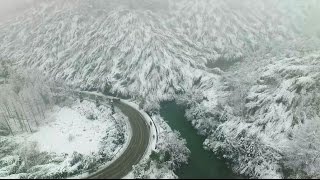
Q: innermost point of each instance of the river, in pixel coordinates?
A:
(202, 164)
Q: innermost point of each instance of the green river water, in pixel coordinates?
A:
(202, 164)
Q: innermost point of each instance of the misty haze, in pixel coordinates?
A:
(161, 89)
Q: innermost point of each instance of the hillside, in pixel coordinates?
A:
(246, 71)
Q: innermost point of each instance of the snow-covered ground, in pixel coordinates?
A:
(70, 132)
(75, 140)
(217, 57)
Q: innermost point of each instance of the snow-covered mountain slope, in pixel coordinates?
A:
(141, 51)
(122, 49)
(284, 97)
(236, 28)
(208, 54)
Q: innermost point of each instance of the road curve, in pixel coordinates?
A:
(137, 145)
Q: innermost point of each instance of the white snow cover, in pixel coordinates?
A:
(70, 132)
(282, 98)
(92, 44)
(79, 134)
(216, 57)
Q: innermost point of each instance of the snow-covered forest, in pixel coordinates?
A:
(25, 98)
(247, 71)
(46, 133)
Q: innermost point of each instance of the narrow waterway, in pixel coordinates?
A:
(202, 164)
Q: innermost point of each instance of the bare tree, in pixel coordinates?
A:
(25, 99)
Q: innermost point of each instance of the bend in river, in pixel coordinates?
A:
(202, 164)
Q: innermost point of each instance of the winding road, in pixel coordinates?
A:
(137, 146)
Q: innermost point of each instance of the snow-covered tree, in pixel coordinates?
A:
(24, 101)
(301, 153)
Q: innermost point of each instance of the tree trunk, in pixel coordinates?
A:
(34, 116)
(24, 112)
(7, 122)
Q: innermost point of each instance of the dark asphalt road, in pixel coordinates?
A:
(135, 150)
